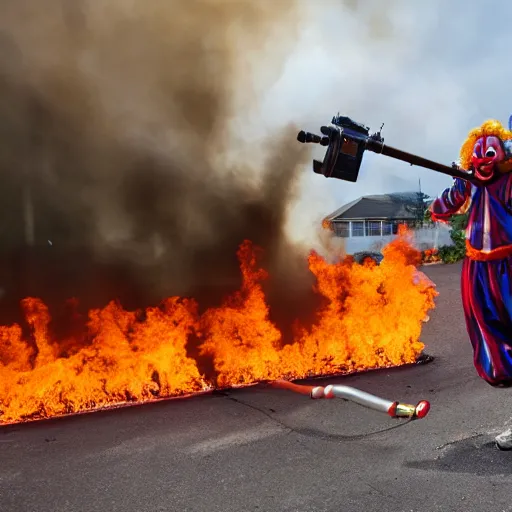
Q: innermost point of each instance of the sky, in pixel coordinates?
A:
(430, 71)
(166, 77)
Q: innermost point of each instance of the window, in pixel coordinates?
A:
(341, 229)
(373, 228)
(358, 228)
(387, 228)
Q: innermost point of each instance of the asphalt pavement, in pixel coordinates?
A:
(263, 449)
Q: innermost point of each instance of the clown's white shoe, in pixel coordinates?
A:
(504, 440)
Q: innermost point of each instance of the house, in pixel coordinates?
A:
(377, 215)
(368, 223)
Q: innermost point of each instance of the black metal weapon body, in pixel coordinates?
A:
(346, 143)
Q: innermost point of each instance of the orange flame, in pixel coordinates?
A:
(327, 224)
(371, 318)
(430, 256)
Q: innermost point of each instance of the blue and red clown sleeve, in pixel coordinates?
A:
(451, 201)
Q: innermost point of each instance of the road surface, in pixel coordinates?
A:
(269, 450)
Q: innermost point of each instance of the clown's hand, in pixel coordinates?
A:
(451, 201)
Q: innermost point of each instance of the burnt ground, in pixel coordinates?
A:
(263, 450)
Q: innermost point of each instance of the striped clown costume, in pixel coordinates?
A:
(486, 279)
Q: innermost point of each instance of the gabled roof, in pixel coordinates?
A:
(340, 211)
(385, 206)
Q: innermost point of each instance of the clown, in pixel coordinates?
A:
(486, 279)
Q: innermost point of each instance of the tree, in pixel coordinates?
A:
(427, 218)
(419, 207)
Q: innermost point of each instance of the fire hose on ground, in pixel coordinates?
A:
(394, 409)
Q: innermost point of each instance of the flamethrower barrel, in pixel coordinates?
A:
(312, 138)
(377, 147)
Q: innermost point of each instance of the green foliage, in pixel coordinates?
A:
(459, 222)
(457, 251)
(419, 208)
(451, 253)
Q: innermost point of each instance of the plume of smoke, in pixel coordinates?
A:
(154, 135)
(121, 126)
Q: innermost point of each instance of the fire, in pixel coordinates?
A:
(431, 256)
(327, 225)
(244, 344)
(371, 317)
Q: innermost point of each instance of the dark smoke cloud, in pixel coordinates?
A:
(119, 117)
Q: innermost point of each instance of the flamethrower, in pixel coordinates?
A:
(346, 142)
(391, 408)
